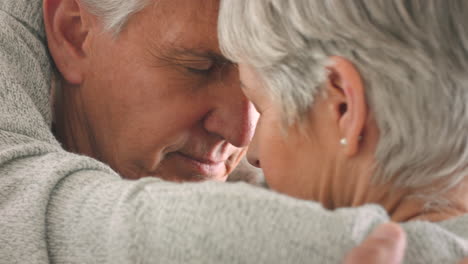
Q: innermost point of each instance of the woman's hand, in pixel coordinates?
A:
(385, 245)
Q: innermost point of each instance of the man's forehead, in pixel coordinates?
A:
(187, 30)
(194, 12)
(190, 29)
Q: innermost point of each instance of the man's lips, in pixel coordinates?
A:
(207, 161)
(207, 168)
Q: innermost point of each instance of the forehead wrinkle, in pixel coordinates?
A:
(179, 30)
(173, 11)
(175, 41)
(176, 21)
(176, 50)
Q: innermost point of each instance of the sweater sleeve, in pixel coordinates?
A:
(95, 219)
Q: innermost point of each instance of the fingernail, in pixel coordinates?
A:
(387, 231)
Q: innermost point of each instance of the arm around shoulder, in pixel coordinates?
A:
(96, 218)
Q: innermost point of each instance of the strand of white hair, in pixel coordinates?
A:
(114, 13)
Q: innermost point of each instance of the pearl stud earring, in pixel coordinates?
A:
(344, 142)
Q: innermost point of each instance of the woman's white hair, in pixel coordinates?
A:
(114, 13)
(412, 55)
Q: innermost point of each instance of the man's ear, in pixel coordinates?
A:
(67, 31)
(345, 89)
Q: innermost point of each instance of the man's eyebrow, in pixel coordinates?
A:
(219, 58)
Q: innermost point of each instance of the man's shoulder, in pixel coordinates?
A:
(25, 78)
(27, 12)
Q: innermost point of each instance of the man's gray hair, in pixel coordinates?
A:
(412, 55)
(114, 14)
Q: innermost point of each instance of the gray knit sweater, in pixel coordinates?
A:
(57, 207)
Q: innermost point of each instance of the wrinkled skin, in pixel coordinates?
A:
(159, 100)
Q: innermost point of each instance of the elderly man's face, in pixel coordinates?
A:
(160, 100)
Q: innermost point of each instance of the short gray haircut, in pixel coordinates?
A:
(412, 55)
(114, 14)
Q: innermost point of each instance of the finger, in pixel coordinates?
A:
(385, 245)
(464, 261)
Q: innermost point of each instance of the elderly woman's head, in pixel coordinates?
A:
(366, 91)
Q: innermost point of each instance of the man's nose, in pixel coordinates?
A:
(234, 119)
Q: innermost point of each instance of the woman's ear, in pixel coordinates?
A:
(67, 31)
(345, 89)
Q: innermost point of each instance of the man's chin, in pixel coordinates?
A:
(189, 177)
(192, 178)
(178, 176)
